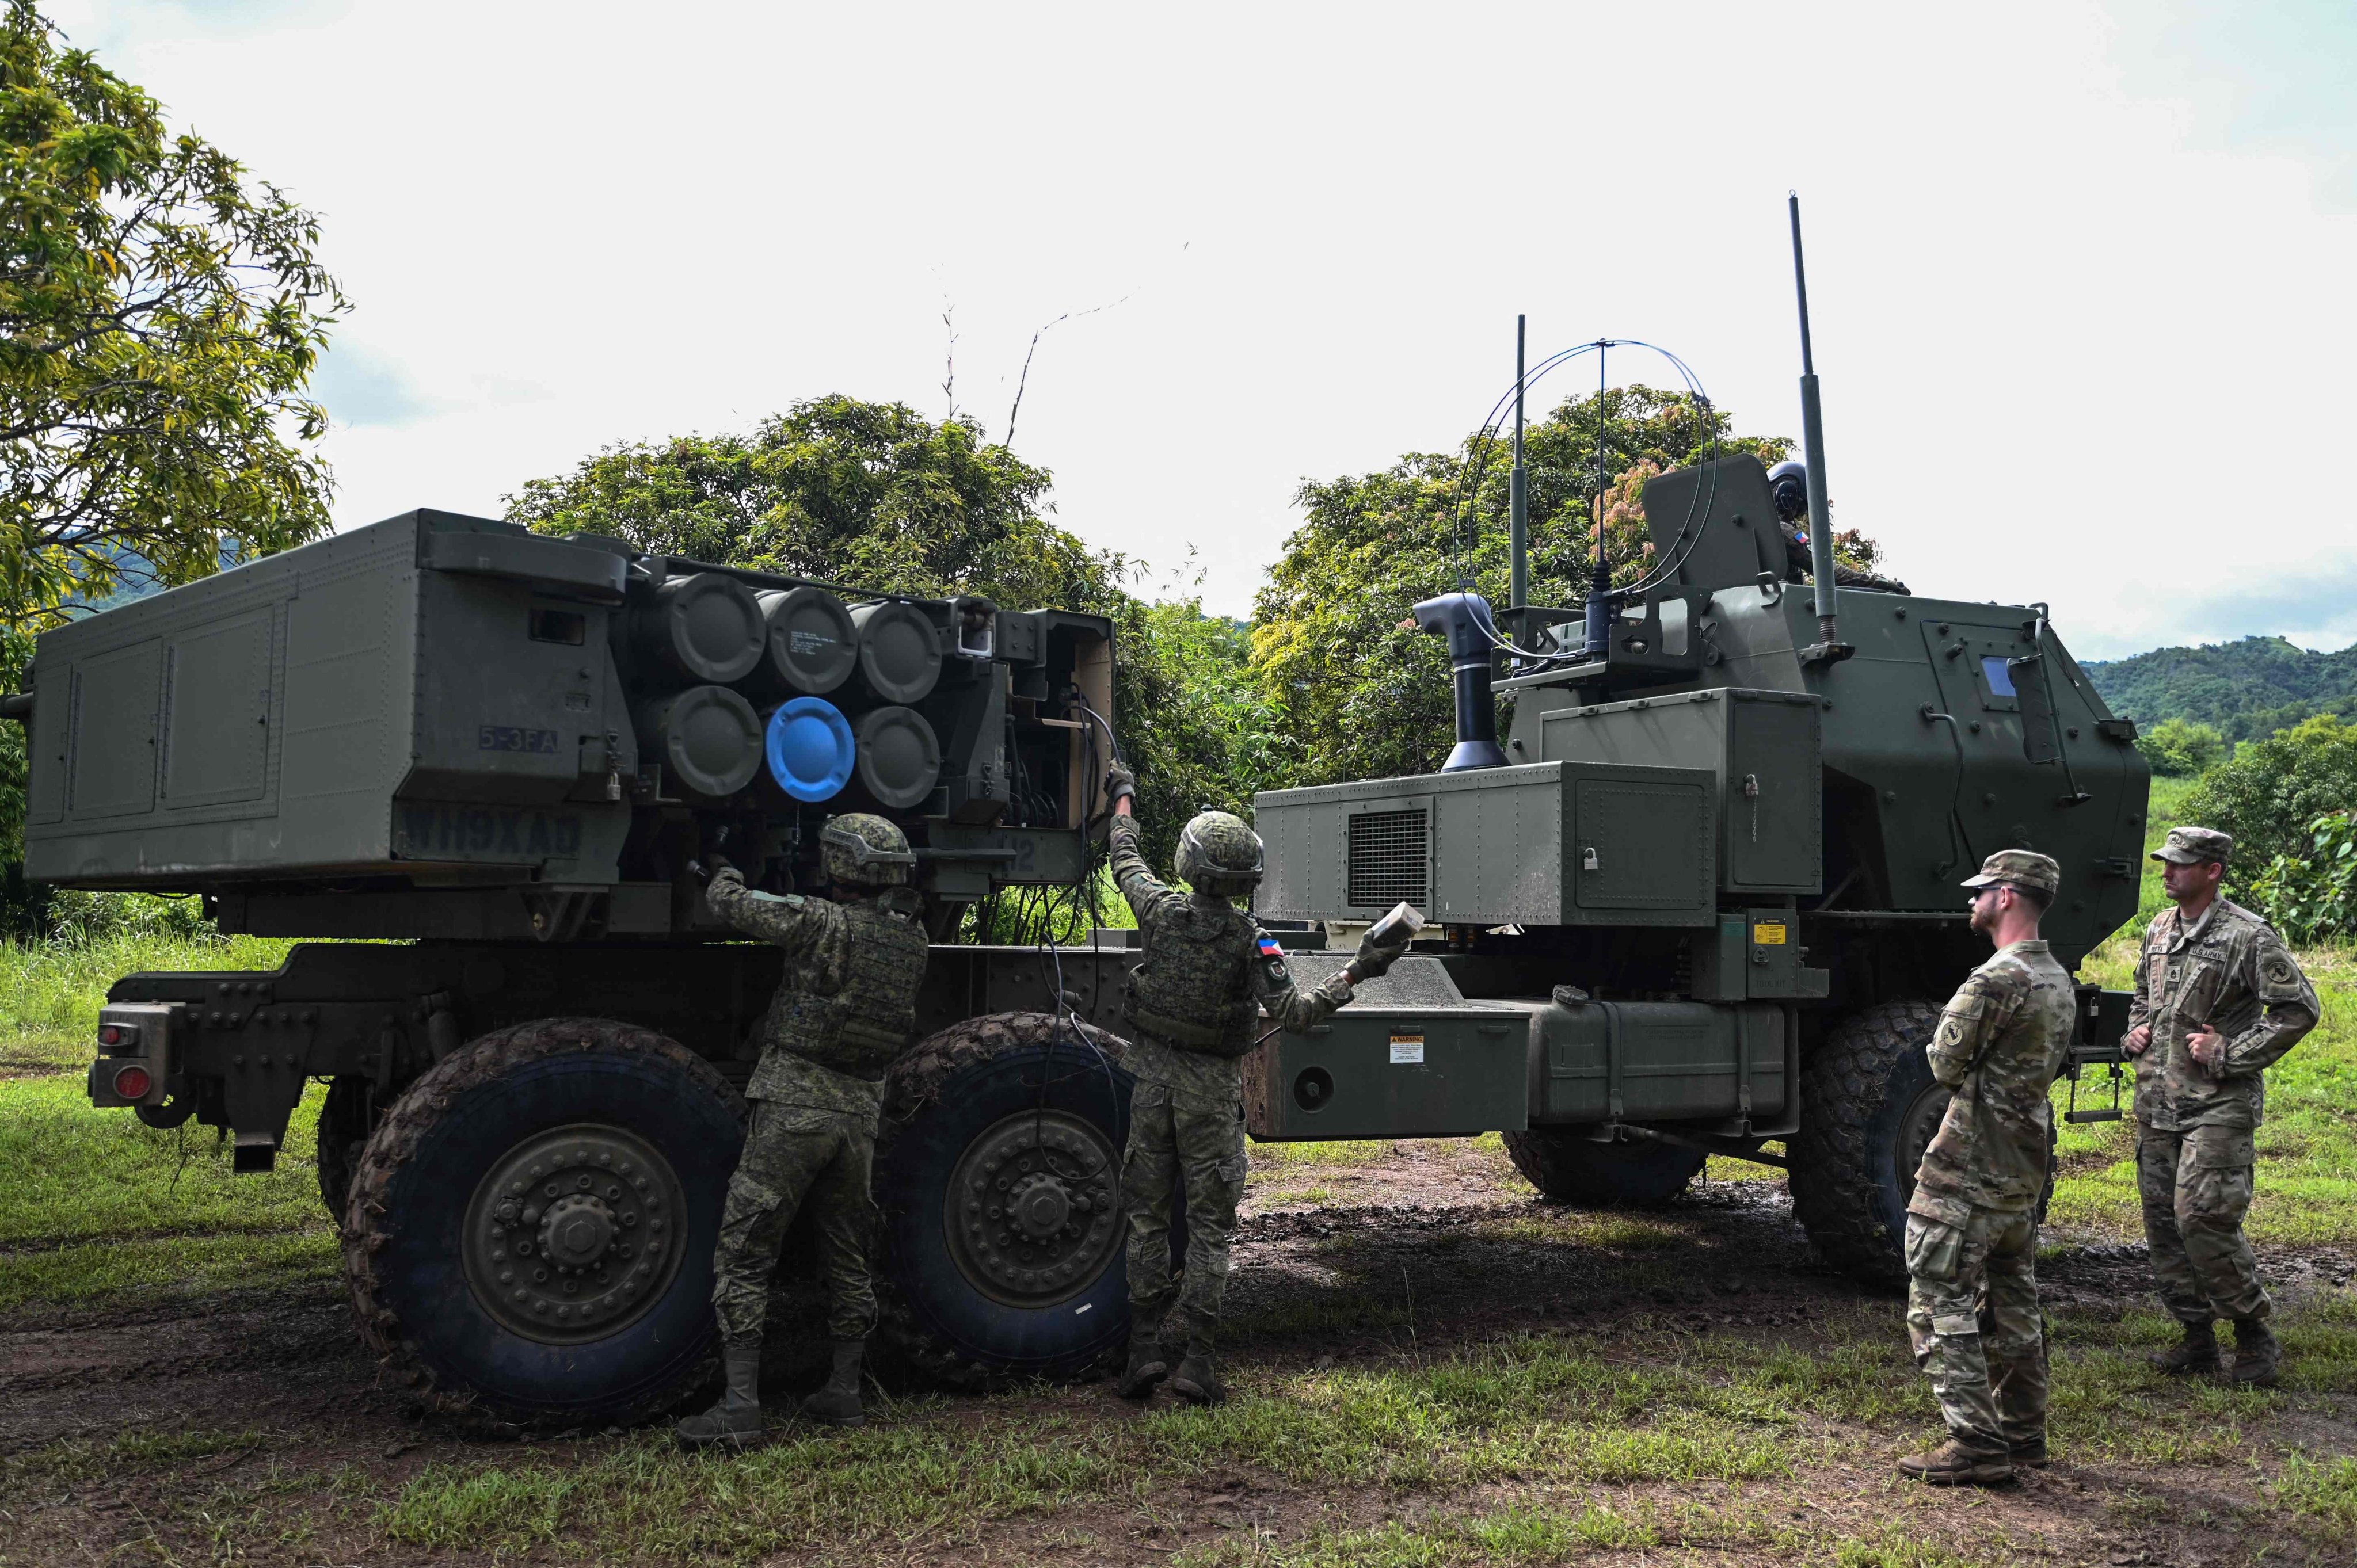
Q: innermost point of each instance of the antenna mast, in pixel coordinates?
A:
(1600, 582)
(1812, 445)
(1518, 594)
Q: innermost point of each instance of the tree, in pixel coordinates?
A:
(2272, 791)
(2178, 749)
(1356, 696)
(159, 318)
(877, 497)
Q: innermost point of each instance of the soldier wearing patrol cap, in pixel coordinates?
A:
(1972, 1226)
(2218, 998)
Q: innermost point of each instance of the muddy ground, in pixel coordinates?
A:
(252, 1427)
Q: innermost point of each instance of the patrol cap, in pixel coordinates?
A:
(2022, 868)
(2192, 846)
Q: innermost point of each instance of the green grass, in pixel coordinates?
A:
(50, 992)
(99, 1205)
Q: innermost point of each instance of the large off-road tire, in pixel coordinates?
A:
(1002, 1258)
(1588, 1175)
(531, 1226)
(1869, 1107)
(345, 1123)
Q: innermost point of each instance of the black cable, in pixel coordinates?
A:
(1486, 441)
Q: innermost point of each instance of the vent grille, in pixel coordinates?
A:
(1390, 860)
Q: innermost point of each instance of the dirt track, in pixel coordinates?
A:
(1434, 1248)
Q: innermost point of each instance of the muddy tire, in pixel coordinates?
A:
(1868, 1108)
(531, 1224)
(1586, 1173)
(1025, 1277)
(345, 1123)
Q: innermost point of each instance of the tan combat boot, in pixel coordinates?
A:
(1953, 1464)
(735, 1422)
(2198, 1353)
(836, 1403)
(2258, 1354)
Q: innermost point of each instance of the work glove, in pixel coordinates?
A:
(1372, 959)
(1119, 781)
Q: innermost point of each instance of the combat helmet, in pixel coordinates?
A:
(867, 851)
(1788, 482)
(1219, 854)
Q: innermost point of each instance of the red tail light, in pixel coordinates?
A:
(133, 1083)
(112, 1035)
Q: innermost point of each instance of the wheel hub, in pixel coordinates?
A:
(1030, 1212)
(573, 1234)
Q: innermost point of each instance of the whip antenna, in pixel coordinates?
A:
(1812, 444)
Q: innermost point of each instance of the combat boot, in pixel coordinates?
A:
(2198, 1353)
(836, 1403)
(2257, 1353)
(1148, 1365)
(1197, 1381)
(735, 1422)
(1953, 1464)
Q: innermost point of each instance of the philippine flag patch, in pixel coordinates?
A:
(1268, 947)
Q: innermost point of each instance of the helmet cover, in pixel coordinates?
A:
(1219, 854)
(862, 848)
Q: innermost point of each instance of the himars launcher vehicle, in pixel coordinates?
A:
(1702, 898)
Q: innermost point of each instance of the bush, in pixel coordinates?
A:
(2178, 749)
(2314, 900)
(80, 919)
(2270, 792)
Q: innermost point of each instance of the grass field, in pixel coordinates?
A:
(1531, 1385)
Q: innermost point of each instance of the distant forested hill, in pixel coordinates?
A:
(2251, 688)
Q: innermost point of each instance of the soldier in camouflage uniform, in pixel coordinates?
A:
(1788, 482)
(2217, 999)
(1972, 1226)
(1194, 1011)
(845, 1009)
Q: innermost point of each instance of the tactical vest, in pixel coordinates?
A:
(1192, 988)
(861, 1027)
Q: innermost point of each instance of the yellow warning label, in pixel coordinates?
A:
(1408, 1050)
(1768, 933)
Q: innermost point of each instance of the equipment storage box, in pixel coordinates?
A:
(1548, 844)
(1764, 748)
(1392, 1072)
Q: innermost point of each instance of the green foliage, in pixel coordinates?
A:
(1352, 694)
(878, 497)
(2313, 898)
(2272, 790)
(159, 318)
(2244, 689)
(2178, 749)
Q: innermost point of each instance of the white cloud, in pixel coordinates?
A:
(2080, 340)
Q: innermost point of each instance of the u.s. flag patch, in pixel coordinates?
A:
(1268, 947)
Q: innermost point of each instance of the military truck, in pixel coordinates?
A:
(1702, 899)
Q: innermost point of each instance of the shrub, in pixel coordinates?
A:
(2178, 749)
(2314, 899)
(2270, 791)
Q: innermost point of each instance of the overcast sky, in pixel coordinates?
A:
(2081, 274)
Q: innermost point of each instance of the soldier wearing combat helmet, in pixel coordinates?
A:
(845, 1008)
(1788, 484)
(2217, 999)
(1195, 1002)
(1972, 1226)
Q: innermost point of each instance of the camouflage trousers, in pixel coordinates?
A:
(2196, 1186)
(796, 1154)
(1173, 1139)
(1974, 1318)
